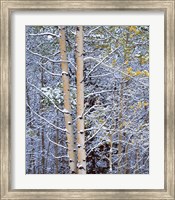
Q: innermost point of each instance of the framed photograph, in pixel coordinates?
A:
(87, 99)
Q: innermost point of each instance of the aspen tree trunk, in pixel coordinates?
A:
(42, 129)
(137, 159)
(80, 102)
(67, 104)
(110, 152)
(56, 147)
(114, 127)
(31, 161)
(56, 135)
(47, 156)
(121, 113)
(43, 151)
(120, 128)
(126, 171)
(53, 70)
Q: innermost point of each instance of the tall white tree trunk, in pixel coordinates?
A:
(67, 104)
(80, 102)
(110, 152)
(120, 135)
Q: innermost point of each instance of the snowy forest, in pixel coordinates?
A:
(87, 99)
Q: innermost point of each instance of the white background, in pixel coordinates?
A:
(153, 180)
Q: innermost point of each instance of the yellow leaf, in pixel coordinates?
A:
(144, 60)
(138, 73)
(129, 69)
(139, 104)
(132, 29)
(101, 121)
(126, 62)
(146, 73)
(131, 107)
(137, 32)
(113, 62)
(145, 103)
(127, 77)
(133, 74)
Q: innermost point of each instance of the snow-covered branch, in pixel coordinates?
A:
(56, 127)
(43, 34)
(62, 111)
(109, 67)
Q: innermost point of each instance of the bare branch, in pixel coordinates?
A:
(43, 34)
(56, 127)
